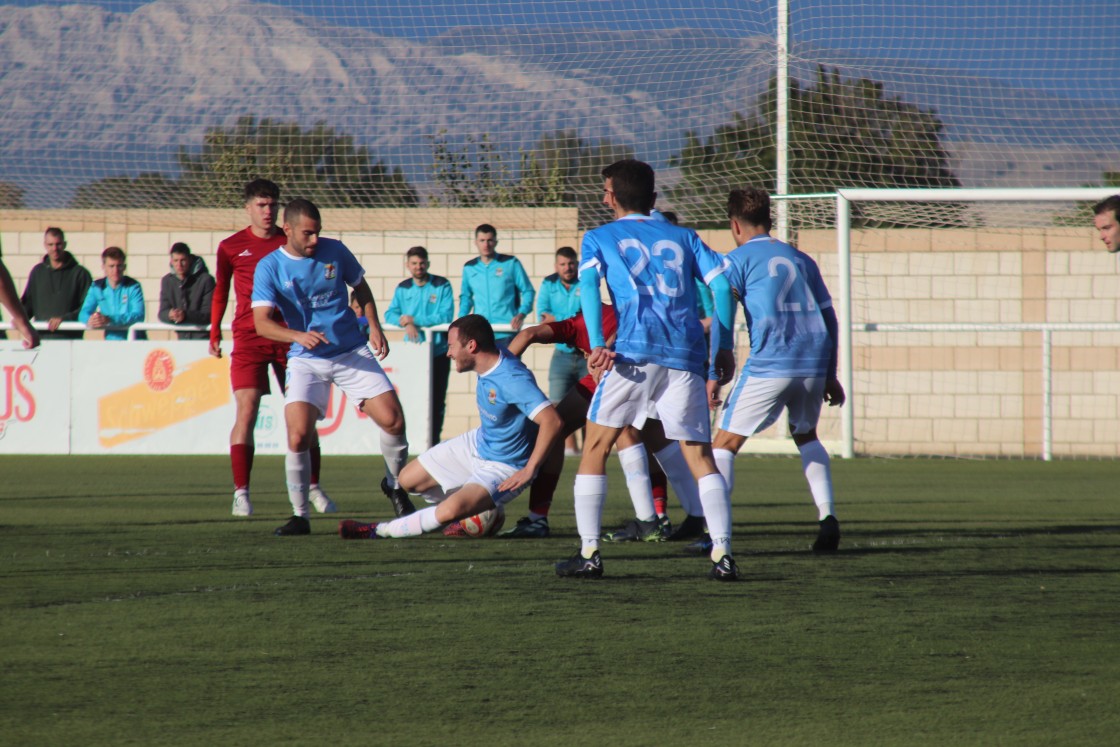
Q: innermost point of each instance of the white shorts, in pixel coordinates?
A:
(754, 404)
(630, 393)
(357, 374)
(455, 462)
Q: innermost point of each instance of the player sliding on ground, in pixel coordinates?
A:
(488, 465)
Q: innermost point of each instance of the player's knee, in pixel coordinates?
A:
(299, 438)
(801, 439)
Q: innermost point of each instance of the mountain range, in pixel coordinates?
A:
(89, 93)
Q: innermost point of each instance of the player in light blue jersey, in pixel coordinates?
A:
(495, 285)
(659, 361)
(488, 465)
(308, 280)
(792, 366)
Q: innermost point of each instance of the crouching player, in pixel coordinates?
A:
(488, 465)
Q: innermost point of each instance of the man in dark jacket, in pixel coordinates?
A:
(186, 292)
(56, 287)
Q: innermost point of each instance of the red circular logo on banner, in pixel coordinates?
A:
(159, 370)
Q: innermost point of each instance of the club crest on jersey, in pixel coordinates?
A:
(492, 396)
(432, 298)
(329, 271)
(498, 272)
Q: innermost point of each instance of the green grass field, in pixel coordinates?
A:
(972, 602)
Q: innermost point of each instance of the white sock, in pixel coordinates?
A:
(412, 525)
(590, 494)
(725, 463)
(297, 468)
(818, 471)
(394, 449)
(717, 512)
(676, 469)
(635, 465)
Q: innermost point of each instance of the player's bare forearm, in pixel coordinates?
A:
(550, 427)
(540, 333)
(269, 329)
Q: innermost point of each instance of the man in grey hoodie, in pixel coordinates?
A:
(186, 291)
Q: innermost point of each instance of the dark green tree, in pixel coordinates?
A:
(560, 169)
(11, 196)
(843, 133)
(115, 192)
(318, 164)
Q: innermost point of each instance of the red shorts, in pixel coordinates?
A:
(249, 364)
(587, 385)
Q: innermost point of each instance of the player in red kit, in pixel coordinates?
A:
(252, 354)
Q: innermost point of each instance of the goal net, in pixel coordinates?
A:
(123, 104)
(996, 333)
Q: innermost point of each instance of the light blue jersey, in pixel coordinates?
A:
(124, 305)
(650, 267)
(560, 301)
(498, 290)
(429, 304)
(786, 303)
(313, 295)
(508, 400)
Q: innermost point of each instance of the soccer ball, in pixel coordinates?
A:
(485, 524)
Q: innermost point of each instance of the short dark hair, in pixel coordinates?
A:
(750, 205)
(54, 231)
(567, 251)
(180, 248)
(670, 217)
(300, 207)
(1108, 203)
(486, 228)
(632, 182)
(113, 252)
(261, 188)
(417, 251)
(476, 327)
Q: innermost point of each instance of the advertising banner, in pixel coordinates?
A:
(34, 398)
(172, 398)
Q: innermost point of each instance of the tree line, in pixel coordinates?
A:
(843, 132)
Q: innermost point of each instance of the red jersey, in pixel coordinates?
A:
(238, 256)
(573, 331)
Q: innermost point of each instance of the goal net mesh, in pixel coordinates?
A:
(521, 102)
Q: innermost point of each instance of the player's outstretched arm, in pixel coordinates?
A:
(550, 430)
(538, 333)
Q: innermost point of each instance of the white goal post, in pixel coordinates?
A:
(844, 200)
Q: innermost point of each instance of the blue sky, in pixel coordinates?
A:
(1055, 45)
